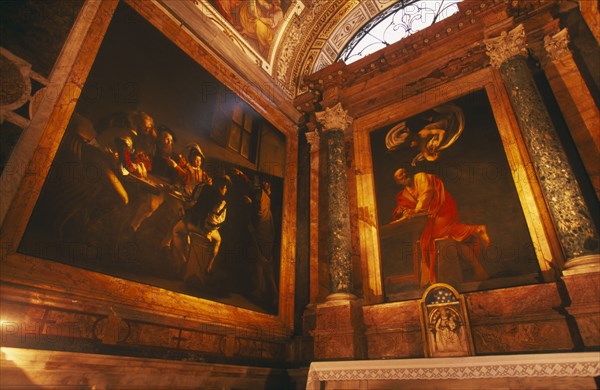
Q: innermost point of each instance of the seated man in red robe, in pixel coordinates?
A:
(424, 193)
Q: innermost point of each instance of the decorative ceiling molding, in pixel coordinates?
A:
(316, 39)
(347, 28)
(303, 40)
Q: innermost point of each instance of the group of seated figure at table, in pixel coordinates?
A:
(140, 172)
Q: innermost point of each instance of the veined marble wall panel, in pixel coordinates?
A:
(26, 325)
(519, 319)
(393, 330)
(28, 368)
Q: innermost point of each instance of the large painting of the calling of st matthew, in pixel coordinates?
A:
(447, 205)
(165, 177)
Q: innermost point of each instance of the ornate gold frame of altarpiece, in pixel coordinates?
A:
(35, 281)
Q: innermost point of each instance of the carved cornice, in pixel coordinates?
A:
(557, 45)
(319, 36)
(334, 118)
(506, 46)
(467, 25)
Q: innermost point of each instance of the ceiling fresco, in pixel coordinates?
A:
(255, 27)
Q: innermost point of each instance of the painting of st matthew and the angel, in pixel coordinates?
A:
(164, 177)
(447, 206)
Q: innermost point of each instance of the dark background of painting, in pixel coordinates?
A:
(138, 68)
(476, 172)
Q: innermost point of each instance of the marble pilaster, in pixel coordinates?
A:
(591, 15)
(574, 226)
(313, 139)
(575, 100)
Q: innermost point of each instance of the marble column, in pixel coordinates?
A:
(339, 331)
(335, 121)
(571, 217)
(313, 139)
(575, 100)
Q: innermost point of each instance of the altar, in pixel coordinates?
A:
(564, 370)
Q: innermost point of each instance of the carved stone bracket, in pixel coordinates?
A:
(334, 118)
(506, 46)
(557, 45)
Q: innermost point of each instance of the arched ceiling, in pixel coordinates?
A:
(315, 37)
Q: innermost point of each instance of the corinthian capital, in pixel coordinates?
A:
(506, 46)
(313, 139)
(556, 45)
(334, 118)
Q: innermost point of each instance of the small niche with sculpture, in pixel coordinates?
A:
(445, 325)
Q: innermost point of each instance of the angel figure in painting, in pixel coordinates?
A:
(434, 137)
(425, 194)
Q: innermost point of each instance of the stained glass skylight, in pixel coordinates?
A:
(398, 21)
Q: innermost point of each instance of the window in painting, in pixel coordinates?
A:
(241, 132)
(404, 18)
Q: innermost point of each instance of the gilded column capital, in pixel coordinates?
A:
(334, 118)
(313, 139)
(557, 45)
(506, 46)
